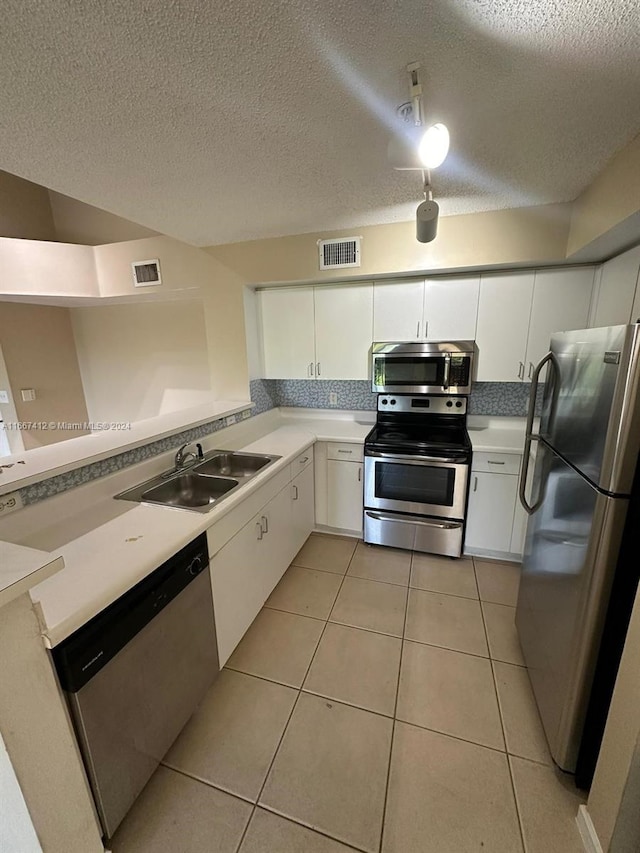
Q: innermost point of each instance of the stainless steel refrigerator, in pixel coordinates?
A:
(581, 564)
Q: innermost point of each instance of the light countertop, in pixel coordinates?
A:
(22, 568)
(107, 560)
(102, 564)
(496, 435)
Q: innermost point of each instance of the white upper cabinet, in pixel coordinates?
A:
(344, 331)
(504, 309)
(437, 309)
(288, 333)
(615, 300)
(398, 310)
(561, 300)
(451, 308)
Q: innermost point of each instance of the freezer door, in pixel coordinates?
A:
(590, 412)
(570, 556)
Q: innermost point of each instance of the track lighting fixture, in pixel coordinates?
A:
(418, 148)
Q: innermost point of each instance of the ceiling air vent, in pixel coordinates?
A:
(342, 252)
(146, 273)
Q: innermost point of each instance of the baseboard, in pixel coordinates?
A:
(505, 556)
(590, 840)
(337, 531)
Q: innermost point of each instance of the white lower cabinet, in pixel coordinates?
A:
(344, 494)
(496, 523)
(492, 501)
(302, 507)
(248, 567)
(237, 592)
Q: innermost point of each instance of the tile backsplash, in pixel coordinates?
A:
(501, 399)
(509, 399)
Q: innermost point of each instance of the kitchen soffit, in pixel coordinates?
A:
(221, 122)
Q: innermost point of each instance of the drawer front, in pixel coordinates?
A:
(301, 461)
(496, 463)
(345, 452)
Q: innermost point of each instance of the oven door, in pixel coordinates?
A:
(422, 485)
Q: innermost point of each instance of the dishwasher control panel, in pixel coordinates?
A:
(85, 652)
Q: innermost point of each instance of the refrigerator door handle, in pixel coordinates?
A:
(529, 435)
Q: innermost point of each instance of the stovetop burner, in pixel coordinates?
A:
(422, 440)
(419, 433)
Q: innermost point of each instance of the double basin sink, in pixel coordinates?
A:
(202, 485)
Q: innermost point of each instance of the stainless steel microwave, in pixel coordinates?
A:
(435, 367)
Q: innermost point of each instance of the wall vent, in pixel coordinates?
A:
(338, 253)
(146, 273)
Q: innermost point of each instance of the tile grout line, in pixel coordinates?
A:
(501, 715)
(395, 709)
(293, 708)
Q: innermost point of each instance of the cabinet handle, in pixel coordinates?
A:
(521, 370)
(491, 462)
(310, 370)
(295, 493)
(305, 459)
(475, 484)
(265, 524)
(344, 451)
(317, 368)
(260, 531)
(532, 367)
(418, 329)
(426, 328)
(359, 474)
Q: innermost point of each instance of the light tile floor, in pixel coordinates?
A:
(379, 704)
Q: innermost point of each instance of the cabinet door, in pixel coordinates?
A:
(561, 300)
(492, 500)
(302, 508)
(397, 311)
(275, 548)
(237, 594)
(451, 308)
(344, 331)
(617, 289)
(287, 333)
(344, 495)
(503, 323)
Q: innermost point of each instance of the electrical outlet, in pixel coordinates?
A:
(230, 420)
(246, 414)
(333, 398)
(10, 503)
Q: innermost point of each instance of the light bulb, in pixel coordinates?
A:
(434, 146)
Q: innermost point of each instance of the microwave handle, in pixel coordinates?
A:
(447, 366)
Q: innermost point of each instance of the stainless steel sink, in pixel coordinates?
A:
(199, 487)
(190, 491)
(233, 465)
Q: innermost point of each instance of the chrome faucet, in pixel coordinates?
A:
(183, 458)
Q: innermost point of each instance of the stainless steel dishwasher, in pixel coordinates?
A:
(136, 672)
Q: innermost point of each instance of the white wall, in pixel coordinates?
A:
(16, 830)
(139, 360)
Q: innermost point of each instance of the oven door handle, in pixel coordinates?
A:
(440, 525)
(417, 460)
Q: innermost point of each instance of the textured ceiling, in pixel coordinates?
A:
(216, 122)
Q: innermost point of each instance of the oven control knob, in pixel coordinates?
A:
(393, 402)
(384, 402)
(449, 403)
(458, 405)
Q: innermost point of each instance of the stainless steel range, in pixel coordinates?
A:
(416, 473)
